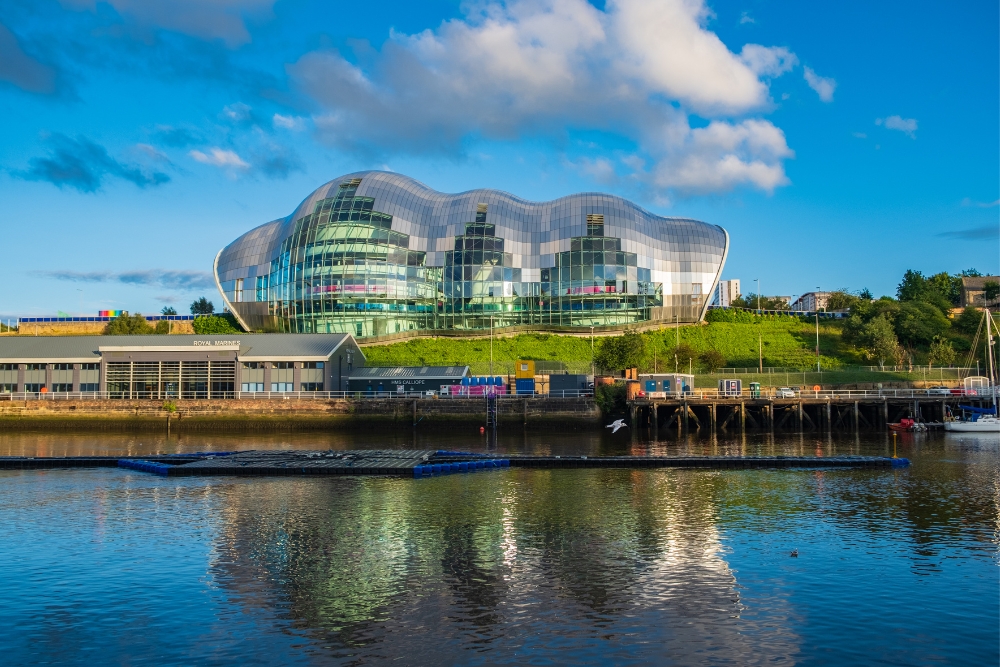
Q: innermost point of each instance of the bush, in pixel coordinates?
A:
(969, 320)
(618, 352)
(729, 315)
(611, 398)
(128, 325)
(162, 327)
(215, 324)
(712, 360)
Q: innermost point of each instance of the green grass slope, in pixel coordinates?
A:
(788, 342)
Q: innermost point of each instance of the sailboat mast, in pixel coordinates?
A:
(989, 354)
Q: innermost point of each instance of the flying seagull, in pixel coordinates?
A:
(617, 424)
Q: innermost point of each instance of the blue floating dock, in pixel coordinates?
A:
(419, 464)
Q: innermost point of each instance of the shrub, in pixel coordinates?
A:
(712, 360)
(128, 325)
(611, 398)
(162, 327)
(215, 324)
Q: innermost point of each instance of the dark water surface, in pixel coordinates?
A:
(894, 567)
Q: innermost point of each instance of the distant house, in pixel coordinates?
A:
(811, 301)
(972, 289)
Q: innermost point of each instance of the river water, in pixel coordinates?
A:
(893, 567)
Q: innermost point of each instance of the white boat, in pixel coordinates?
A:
(985, 424)
(980, 420)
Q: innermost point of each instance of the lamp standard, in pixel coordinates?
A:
(816, 304)
(760, 342)
(491, 345)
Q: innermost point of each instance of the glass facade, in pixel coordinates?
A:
(377, 253)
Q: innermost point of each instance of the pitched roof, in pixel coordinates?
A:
(977, 282)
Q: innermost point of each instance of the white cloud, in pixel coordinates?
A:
(294, 123)
(859, 135)
(823, 86)
(770, 61)
(746, 18)
(207, 19)
(534, 68)
(238, 112)
(906, 125)
(220, 157)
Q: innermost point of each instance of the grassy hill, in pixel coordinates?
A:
(787, 341)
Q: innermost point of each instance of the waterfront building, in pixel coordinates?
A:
(177, 366)
(725, 292)
(374, 253)
(811, 302)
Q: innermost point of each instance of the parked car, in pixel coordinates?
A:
(785, 392)
(939, 390)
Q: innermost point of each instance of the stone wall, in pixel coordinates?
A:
(86, 328)
(295, 414)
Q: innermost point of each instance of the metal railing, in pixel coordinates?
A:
(771, 393)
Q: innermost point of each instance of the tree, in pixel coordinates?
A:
(968, 321)
(841, 300)
(619, 352)
(942, 353)
(865, 294)
(949, 287)
(128, 325)
(750, 302)
(168, 310)
(162, 327)
(991, 290)
(970, 273)
(878, 341)
(202, 306)
(912, 286)
(919, 322)
(215, 324)
(712, 360)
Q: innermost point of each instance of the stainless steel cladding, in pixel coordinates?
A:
(374, 253)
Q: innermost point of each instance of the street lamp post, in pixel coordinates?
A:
(491, 345)
(758, 295)
(816, 305)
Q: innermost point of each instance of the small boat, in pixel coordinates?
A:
(907, 424)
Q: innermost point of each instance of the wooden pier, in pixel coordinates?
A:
(824, 411)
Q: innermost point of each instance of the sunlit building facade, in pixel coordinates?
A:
(375, 253)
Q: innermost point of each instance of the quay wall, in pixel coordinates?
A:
(294, 414)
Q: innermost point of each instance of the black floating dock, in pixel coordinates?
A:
(415, 462)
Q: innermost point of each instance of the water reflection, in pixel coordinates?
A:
(589, 566)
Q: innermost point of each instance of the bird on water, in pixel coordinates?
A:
(795, 553)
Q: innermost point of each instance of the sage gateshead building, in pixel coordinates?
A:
(374, 253)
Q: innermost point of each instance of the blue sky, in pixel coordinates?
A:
(839, 144)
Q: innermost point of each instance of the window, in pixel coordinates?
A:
(312, 386)
(253, 365)
(252, 386)
(62, 387)
(34, 388)
(238, 292)
(90, 367)
(281, 387)
(35, 367)
(8, 388)
(595, 225)
(8, 367)
(283, 365)
(90, 387)
(312, 364)
(62, 367)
